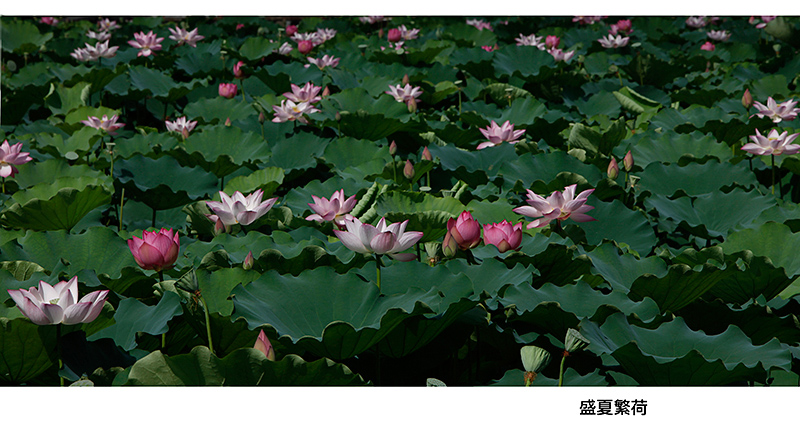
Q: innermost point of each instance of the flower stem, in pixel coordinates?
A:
(208, 324)
(121, 202)
(58, 347)
(4, 185)
(773, 173)
(154, 217)
(241, 83)
(561, 369)
(378, 269)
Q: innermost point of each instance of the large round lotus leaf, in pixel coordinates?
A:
(99, 248)
(758, 276)
(298, 152)
(267, 179)
(132, 316)
(49, 170)
(63, 210)
(160, 84)
(145, 145)
(668, 179)
(346, 151)
(769, 240)
(523, 60)
(545, 167)
(516, 378)
(255, 48)
(679, 287)
(330, 315)
(619, 269)
(217, 110)
(359, 117)
(22, 36)
(486, 212)
(673, 354)
(203, 59)
(615, 222)
(26, 349)
(47, 190)
(758, 322)
(80, 142)
(243, 367)
(216, 286)
(488, 160)
(669, 147)
(221, 149)
(425, 213)
(162, 183)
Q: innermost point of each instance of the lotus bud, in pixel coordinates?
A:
(380, 33)
(412, 105)
(466, 231)
(219, 227)
(263, 345)
(613, 169)
(228, 122)
(574, 341)
(185, 133)
(426, 154)
(627, 162)
(291, 30)
(708, 46)
(237, 70)
(326, 92)
(338, 116)
(239, 26)
(449, 246)
(534, 359)
(405, 80)
(408, 170)
(747, 99)
(394, 35)
(261, 117)
(552, 41)
(304, 46)
(248, 261)
(392, 148)
(227, 90)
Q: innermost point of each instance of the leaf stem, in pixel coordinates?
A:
(208, 323)
(378, 269)
(773, 173)
(58, 347)
(121, 202)
(561, 369)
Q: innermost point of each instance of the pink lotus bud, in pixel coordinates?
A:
(392, 148)
(326, 92)
(624, 25)
(394, 35)
(412, 105)
(552, 41)
(248, 261)
(291, 29)
(449, 246)
(613, 169)
(426, 154)
(466, 231)
(228, 122)
(304, 46)
(405, 80)
(156, 250)
(503, 235)
(239, 26)
(408, 170)
(263, 345)
(708, 46)
(627, 162)
(261, 117)
(747, 99)
(380, 33)
(237, 70)
(227, 90)
(185, 133)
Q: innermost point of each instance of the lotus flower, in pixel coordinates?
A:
(614, 41)
(49, 20)
(335, 210)
(586, 20)
(622, 26)
(558, 206)
(465, 231)
(305, 46)
(10, 156)
(719, 35)
(325, 34)
(182, 36)
(613, 169)
(308, 93)
(404, 94)
(696, 21)
(107, 25)
(109, 125)
(99, 36)
(408, 170)
(52, 305)
(499, 134)
(291, 30)
(314, 37)
(394, 35)
(560, 55)
(146, 43)
(238, 209)
(263, 345)
(285, 48)
(747, 99)
(181, 125)
(530, 40)
(372, 19)
(708, 46)
(552, 41)
(81, 54)
(479, 24)
(627, 162)
(764, 21)
(503, 235)
(157, 250)
(777, 111)
(227, 90)
(408, 34)
(774, 144)
(389, 239)
(238, 72)
(290, 111)
(325, 61)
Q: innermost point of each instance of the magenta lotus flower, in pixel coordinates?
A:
(53, 305)
(263, 345)
(335, 210)
(109, 125)
(530, 40)
(99, 36)
(389, 239)
(747, 99)
(240, 209)
(11, 155)
(373, 19)
(238, 72)
(305, 46)
(622, 26)
(308, 93)
(479, 24)
(777, 112)
(499, 134)
(394, 35)
(314, 37)
(708, 46)
(408, 170)
(146, 43)
(718, 35)
(181, 126)
(503, 235)
(325, 61)
(291, 30)
(552, 41)
(227, 90)
(182, 36)
(586, 20)
(49, 20)
(614, 41)
(489, 48)
(156, 250)
(465, 231)
(774, 144)
(764, 21)
(558, 206)
(404, 94)
(107, 25)
(290, 111)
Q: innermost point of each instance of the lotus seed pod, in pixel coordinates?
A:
(574, 341)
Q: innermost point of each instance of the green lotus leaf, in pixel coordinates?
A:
(695, 115)
(83, 112)
(615, 222)
(620, 270)
(267, 179)
(668, 179)
(358, 118)
(425, 213)
(70, 98)
(349, 316)
(22, 36)
(80, 143)
(516, 378)
(62, 210)
(523, 60)
(221, 150)
(603, 103)
(132, 316)
(758, 322)
(775, 86)
(598, 63)
(555, 262)
(769, 240)
(346, 152)
(216, 110)
(545, 167)
(49, 170)
(299, 152)
(26, 349)
(670, 147)
(679, 287)
(243, 367)
(21, 270)
(146, 145)
(257, 47)
(488, 161)
(487, 212)
(673, 354)
(298, 198)
(159, 83)
(203, 59)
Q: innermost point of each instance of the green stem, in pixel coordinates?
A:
(378, 269)
(58, 347)
(419, 253)
(208, 324)
(154, 217)
(242, 84)
(773, 173)
(394, 169)
(262, 133)
(561, 370)
(4, 185)
(121, 202)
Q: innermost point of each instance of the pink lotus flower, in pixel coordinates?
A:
(305, 46)
(586, 20)
(314, 37)
(107, 25)
(285, 48)
(479, 24)
(238, 72)
(99, 36)
(503, 235)
(182, 36)
(499, 134)
(10, 156)
(696, 21)
(465, 231)
(559, 55)
(708, 46)
(93, 53)
(774, 144)
(530, 40)
(53, 305)
(622, 26)
(325, 34)
(426, 154)
(181, 125)
(489, 48)
(718, 35)
(263, 345)
(146, 43)
(248, 262)
(372, 19)
(777, 112)
(764, 21)
(156, 250)
(81, 54)
(393, 35)
(551, 41)
(290, 111)
(404, 94)
(325, 61)
(384, 239)
(49, 20)
(291, 30)
(308, 93)
(614, 41)
(335, 210)
(558, 206)
(109, 125)
(240, 209)
(239, 26)
(227, 90)
(408, 34)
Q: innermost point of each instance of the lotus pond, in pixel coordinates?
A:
(460, 201)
